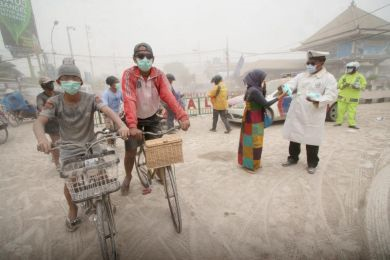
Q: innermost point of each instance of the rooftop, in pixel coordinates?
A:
(353, 22)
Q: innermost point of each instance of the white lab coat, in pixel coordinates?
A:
(304, 122)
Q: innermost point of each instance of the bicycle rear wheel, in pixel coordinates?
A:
(3, 135)
(106, 230)
(143, 172)
(172, 197)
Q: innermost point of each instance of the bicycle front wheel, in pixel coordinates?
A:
(105, 227)
(172, 197)
(144, 174)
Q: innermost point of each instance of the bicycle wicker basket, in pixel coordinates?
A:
(91, 176)
(163, 151)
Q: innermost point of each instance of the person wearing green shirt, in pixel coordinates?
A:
(350, 85)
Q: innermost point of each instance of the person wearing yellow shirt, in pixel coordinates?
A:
(219, 96)
(350, 86)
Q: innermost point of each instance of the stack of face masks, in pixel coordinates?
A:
(313, 96)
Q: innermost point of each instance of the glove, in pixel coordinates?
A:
(343, 86)
(287, 90)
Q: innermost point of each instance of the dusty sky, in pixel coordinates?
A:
(179, 26)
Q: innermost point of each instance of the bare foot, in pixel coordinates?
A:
(125, 186)
(146, 191)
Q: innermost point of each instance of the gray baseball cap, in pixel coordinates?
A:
(142, 44)
(68, 68)
(44, 80)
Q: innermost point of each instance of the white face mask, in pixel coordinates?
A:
(350, 70)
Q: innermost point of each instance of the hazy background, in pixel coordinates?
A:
(191, 32)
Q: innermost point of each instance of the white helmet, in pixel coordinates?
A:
(353, 64)
(352, 67)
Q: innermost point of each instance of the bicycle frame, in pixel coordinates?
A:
(104, 215)
(146, 175)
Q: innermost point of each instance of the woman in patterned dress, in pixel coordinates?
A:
(252, 128)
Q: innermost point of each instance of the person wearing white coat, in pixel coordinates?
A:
(312, 91)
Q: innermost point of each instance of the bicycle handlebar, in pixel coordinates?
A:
(87, 146)
(106, 136)
(162, 132)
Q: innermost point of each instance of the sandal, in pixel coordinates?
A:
(72, 225)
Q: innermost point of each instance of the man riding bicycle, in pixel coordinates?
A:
(142, 88)
(74, 111)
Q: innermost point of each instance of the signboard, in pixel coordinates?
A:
(198, 106)
(18, 28)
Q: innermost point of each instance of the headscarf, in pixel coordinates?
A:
(255, 78)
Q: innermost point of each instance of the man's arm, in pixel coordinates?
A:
(341, 84)
(363, 82)
(39, 132)
(129, 100)
(48, 112)
(331, 92)
(100, 106)
(293, 83)
(113, 116)
(39, 103)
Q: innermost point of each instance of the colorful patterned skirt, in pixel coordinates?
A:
(251, 137)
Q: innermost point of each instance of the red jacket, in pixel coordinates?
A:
(130, 79)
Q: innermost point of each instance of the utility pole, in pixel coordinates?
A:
(197, 51)
(70, 42)
(32, 72)
(52, 46)
(87, 32)
(227, 58)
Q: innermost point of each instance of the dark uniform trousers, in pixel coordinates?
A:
(311, 153)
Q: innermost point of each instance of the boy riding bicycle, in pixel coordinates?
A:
(74, 111)
(142, 88)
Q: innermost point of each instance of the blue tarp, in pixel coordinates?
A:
(14, 102)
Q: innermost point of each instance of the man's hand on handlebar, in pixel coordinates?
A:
(124, 132)
(135, 132)
(44, 146)
(184, 124)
